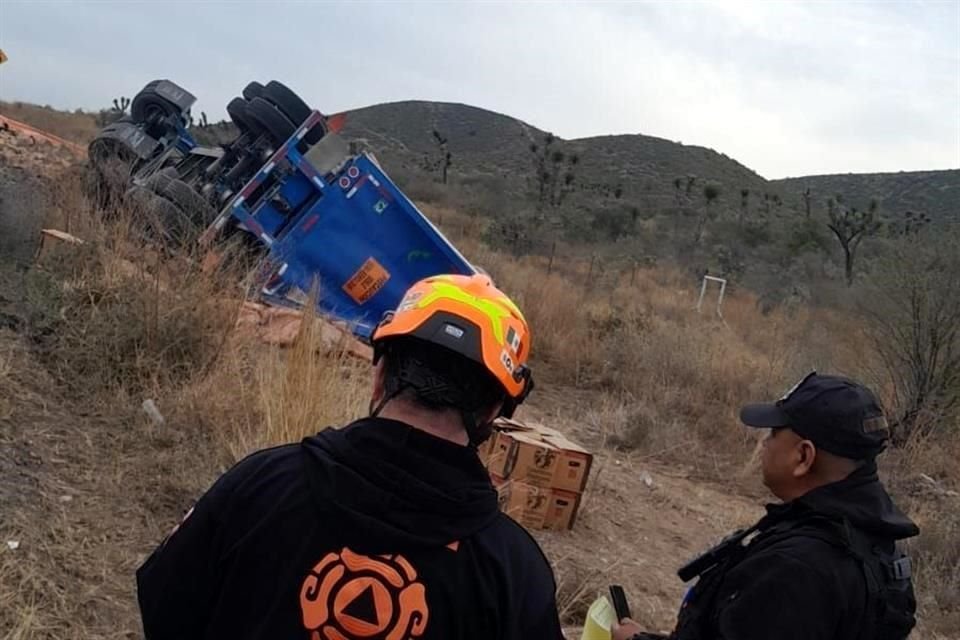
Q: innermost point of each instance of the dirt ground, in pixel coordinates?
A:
(87, 488)
(639, 521)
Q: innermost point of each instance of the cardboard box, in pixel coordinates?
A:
(539, 456)
(537, 507)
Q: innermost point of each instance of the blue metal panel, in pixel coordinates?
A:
(359, 236)
(185, 141)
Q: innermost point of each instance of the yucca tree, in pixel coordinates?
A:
(850, 226)
(711, 191)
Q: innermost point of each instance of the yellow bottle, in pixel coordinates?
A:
(600, 619)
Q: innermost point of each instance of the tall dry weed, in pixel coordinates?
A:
(117, 313)
(260, 396)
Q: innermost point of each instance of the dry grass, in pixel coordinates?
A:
(115, 315)
(6, 367)
(76, 127)
(923, 476)
(122, 316)
(257, 396)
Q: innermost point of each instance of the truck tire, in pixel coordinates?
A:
(167, 184)
(253, 90)
(239, 111)
(147, 104)
(280, 96)
(283, 98)
(272, 120)
(159, 218)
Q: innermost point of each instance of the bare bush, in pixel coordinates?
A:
(913, 308)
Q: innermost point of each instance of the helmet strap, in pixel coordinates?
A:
(387, 397)
(477, 433)
(412, 373)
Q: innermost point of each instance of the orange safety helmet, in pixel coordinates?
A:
(470, 316)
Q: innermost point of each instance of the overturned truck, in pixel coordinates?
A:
(315, 213)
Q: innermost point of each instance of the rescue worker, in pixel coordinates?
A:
(385, 529)
(822, 564)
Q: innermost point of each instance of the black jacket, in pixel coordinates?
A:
(797, 580)
(376, 531)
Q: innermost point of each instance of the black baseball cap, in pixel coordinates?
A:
(837, 414)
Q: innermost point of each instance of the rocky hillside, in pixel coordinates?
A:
(642, 169)
(484, 143)
(936, 193)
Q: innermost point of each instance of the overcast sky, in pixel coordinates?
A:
(786, 88)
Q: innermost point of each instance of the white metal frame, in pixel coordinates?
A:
(703, 292)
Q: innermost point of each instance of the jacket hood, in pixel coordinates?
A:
(392, 486)
(864, 502)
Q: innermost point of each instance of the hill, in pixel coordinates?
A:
(645, 167)
(936, 193)
(485, 143)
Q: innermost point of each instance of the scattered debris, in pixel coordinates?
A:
(936, 487)
(280, 326)
(13, 545)
(49, 238)
(9, 124)
(150, 408)
(647, 479)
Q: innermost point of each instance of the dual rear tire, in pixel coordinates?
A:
(271, 109)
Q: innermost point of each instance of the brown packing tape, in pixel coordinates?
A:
(513, 425)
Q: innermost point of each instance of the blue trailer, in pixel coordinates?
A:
(342, 227)
(324, 221)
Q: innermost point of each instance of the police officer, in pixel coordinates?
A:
(822, 564)
(386, 529)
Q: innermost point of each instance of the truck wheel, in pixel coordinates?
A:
(239, 111)
(253, 90)
(287, 101)
(167, 184)
(293, 107)
(148, 104)
(160, 219)
(112, 162)
(277, 125)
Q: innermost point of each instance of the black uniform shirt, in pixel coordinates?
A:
(376, 531)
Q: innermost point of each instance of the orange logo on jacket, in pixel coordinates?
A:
(348, 596)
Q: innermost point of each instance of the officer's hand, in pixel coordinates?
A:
(626, 629)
